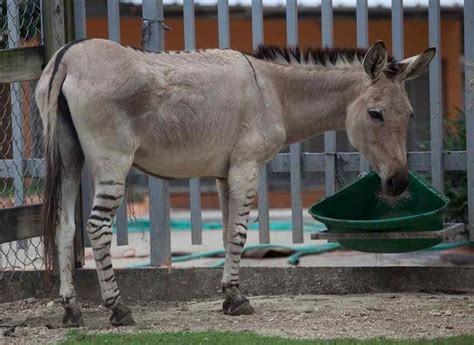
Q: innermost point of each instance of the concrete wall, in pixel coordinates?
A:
(152, 284)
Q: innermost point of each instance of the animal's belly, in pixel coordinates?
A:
(179, 164)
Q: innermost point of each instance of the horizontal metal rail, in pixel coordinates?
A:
(310, 162)
(449, 231)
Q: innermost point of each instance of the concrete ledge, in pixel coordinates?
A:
(152, 284)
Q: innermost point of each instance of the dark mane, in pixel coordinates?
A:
(317, 56)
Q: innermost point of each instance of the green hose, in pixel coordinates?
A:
(294, 259)
(142, 225)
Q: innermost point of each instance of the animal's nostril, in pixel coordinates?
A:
(396, 184)
(390, 183)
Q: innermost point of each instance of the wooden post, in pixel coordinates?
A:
(70, 32)
(54, 35)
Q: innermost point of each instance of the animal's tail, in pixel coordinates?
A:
(47, 96)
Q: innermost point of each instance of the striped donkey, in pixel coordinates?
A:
(217, 113)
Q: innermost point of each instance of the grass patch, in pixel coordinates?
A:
(247, 338)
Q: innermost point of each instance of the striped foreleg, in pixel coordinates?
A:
(242, 181)
(107, 199)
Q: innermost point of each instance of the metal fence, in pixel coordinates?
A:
(20, 134)
(295, 162)
(330, 162)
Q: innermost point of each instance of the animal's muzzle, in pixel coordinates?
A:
(396, 183)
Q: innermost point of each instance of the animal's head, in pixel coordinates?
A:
(377, 121)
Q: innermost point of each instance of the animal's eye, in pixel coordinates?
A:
(376, 114)
(412, 115)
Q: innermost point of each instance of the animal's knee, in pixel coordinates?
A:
(100, 234)
(65, 234)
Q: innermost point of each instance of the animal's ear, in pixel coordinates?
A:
(412, 67)
(375, 60)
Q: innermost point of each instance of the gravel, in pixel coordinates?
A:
(308, 316)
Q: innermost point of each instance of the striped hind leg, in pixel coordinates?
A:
(242, 189)
(109, 192)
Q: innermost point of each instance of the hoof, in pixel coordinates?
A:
(121, 316)
(237, 305)
(72, 316)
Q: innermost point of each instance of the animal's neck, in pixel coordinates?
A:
(314, 100)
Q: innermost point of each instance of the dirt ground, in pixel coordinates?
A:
(308, 316)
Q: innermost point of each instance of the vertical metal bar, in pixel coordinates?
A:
(154, 39)
(121, 222)
(80, 19)
(398, 53)
(86, 179)
(295, 149)
(397, 29)
(469, 107)
(113, 16)
(362, 24)
(329, 137)
(189, 25)
(223, 22)
(196, 217)
(160, 236)
(292, 22)
(113, 20)
(362, 42)
(257, 22)
(436, 104)
(13, 23)
(194, 183)
(263, 212)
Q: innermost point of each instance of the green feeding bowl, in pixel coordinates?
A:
(358, 208)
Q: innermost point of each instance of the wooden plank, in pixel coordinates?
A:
(17, 223)
(21, 64)
(449, 231)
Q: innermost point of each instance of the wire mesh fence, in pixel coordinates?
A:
(20, 135)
